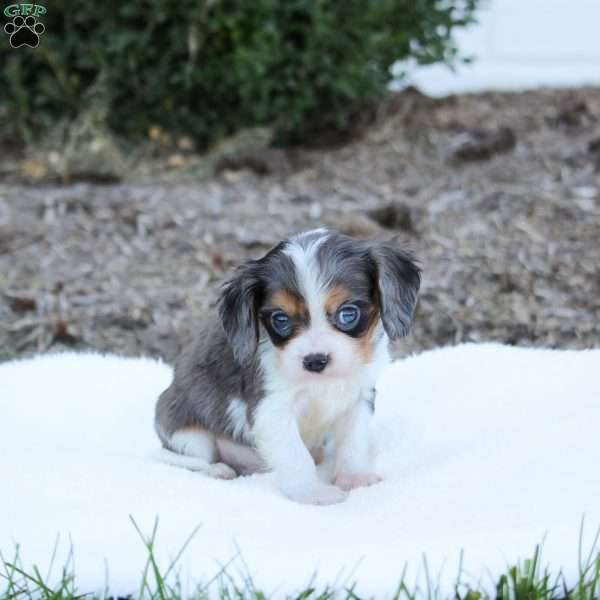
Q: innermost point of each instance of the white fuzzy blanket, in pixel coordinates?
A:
(485, 449)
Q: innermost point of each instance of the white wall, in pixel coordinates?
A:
(520, 44)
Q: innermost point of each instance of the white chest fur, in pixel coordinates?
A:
(319, 406)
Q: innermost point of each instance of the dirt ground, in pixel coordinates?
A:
(497, 194)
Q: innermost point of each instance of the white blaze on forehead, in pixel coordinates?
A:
(302, 249)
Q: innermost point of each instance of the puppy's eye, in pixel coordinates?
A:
(281, 322)
(347, 317)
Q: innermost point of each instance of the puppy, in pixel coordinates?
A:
(290, 364)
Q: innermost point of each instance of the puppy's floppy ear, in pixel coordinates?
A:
(238, 309)
(398, 280)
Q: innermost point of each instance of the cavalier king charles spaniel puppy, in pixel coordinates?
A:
(285, 375)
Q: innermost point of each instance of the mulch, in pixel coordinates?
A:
(497, 194)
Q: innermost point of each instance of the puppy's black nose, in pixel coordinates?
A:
(315, 362)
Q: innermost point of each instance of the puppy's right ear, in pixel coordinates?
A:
(238, 310)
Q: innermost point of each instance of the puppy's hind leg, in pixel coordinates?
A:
(195, 449)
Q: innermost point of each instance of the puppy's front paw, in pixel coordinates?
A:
(350, 481)
(321, 495)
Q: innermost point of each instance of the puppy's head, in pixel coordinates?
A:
(322, 301)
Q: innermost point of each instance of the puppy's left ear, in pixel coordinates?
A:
(398, 280)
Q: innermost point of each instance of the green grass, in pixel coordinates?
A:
(526, 580)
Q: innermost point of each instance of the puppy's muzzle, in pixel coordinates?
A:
(315, 363)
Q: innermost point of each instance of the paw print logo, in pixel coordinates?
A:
(24, 31)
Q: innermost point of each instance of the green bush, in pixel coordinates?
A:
(209, 68)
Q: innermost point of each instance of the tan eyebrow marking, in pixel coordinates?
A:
(290, 303)
(336, 296)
